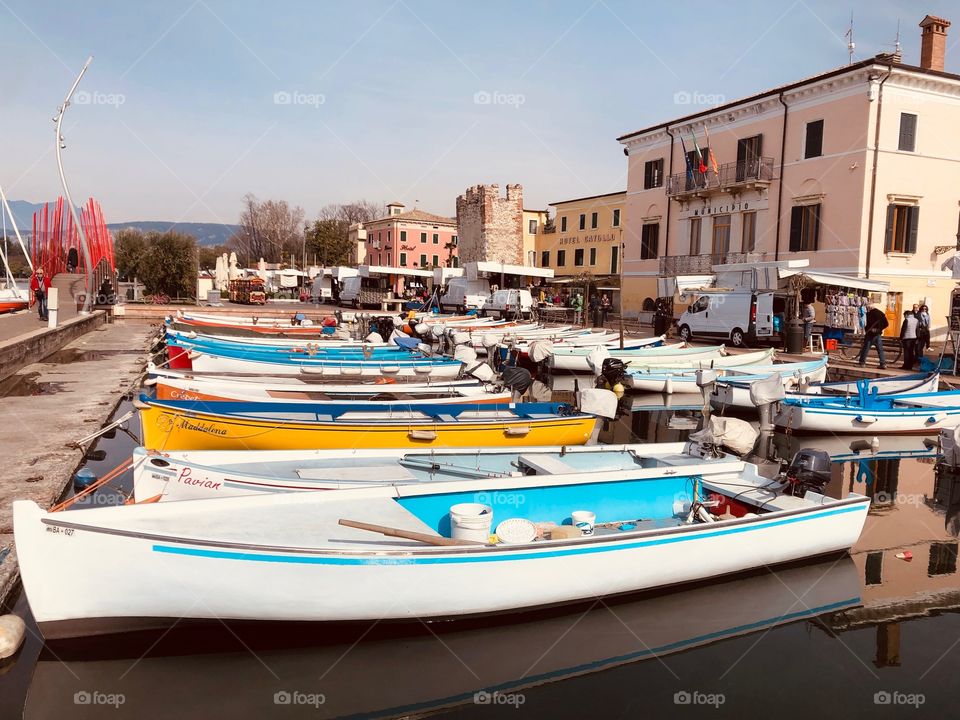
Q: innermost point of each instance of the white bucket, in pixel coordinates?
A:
(471, 521)
(584, 519)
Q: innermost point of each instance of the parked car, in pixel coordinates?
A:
(464, 294)
(741, 317)
(510, 303)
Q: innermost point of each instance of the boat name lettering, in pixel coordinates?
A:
(202, 427)
(185, 479)
(183, 395)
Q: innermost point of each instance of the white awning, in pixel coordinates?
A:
(474, 269)
(374, 270)
(837, 280)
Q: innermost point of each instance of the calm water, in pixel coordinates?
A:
(868, 635)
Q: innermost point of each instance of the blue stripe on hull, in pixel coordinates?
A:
(494, 556)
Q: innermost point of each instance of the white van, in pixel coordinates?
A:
(463, 294)
(509, 304)
(357, 291)
(741, 317)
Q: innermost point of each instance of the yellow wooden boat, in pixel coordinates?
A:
(199, 425)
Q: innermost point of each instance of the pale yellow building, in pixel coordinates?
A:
(586, 237)
(534, 221)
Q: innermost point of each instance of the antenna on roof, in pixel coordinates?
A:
(896, 45)
(851, 45)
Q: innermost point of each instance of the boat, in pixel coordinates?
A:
(870, 412)
(856, 448)
(321, 556)
(225, 390)
(207, 474)
(755, 357)
(189, 335)
(582, 359)
(733, 390)
(684, 380)
(412, 673)
(291, 347)
(202, 425)
(267, 362)
(13, 299)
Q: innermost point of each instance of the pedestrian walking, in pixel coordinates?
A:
(40, 287)
(923, 331)
(908, 338)
(596, 314)
(809, 318)
(873, 335)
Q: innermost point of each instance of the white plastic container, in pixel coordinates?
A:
(584, 519)
(471, 521)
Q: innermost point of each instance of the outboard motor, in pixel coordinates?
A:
(613, 372)
(809, 470)
(517, 379)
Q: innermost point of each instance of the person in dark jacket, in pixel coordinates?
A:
(873, 335)
(908, 338)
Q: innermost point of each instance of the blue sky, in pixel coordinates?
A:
(191, 104)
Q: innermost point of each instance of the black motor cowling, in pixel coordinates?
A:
(614, 371)
(516, 379)
(809, 468)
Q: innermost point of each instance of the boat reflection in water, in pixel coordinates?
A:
(413, 670)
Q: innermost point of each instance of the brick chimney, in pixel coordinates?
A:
(933, 42)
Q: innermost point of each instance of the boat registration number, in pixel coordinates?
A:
(60, 530)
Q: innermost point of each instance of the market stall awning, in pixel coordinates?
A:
(837, 280)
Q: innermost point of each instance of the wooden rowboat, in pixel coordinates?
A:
(199, 425)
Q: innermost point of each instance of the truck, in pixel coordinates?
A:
(742, 317)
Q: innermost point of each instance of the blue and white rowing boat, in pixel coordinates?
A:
(870, 412)
(678, 380)
(389, 552)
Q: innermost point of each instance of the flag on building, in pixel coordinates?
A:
(711, 157)
(701, 166)
(686, 159)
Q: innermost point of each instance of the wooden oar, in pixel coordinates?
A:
(407, 534)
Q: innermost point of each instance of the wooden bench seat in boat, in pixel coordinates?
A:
(544, 464)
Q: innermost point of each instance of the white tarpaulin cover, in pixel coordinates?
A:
(766, 391)
(597, 401)
(596, 357)
(950, 446)
(540, 350)
(482, 371)
(465, 354)
(733, 433)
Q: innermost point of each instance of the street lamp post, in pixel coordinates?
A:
(620, 270)
(84, 245)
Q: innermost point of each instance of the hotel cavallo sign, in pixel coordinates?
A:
(586, 239)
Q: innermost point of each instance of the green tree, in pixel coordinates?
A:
(130, 245)
(327, 240)
(169, 264)
(209, 255)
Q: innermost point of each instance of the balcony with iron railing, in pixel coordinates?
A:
(674, 265)
(730, 177)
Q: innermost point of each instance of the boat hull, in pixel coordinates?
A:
(170, 429)
(837, 419)
(154, 575)
(205, 362)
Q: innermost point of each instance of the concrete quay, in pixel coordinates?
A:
(48, 405)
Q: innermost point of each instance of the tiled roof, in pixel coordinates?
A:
(417, 216)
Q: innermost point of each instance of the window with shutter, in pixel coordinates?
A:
(805, 228)
(908, 132)
(649, 241)
(901, 231)
(813, 147)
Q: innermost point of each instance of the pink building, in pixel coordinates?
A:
(855, 170)
(412, 239)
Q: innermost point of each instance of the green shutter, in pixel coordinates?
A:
(796, 227)
(888, 237)
(912, 237)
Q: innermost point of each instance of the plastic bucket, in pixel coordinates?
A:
(584, 519)
(471, 521)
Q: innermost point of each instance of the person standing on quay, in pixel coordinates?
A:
(873, 335)
(40, 286)
(908, 338)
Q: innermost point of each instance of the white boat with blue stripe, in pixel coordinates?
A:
(290, 557)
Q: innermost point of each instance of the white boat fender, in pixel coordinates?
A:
(12, 632)
(937, 417)
(597, 401)
(865, 419)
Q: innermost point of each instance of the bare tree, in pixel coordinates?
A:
(269, 229)
(328, 237)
